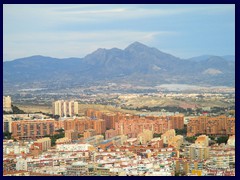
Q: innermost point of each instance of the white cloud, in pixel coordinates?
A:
(48, 29)
(59, 14)
(69, 44)
(103, 13)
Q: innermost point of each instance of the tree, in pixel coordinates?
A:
(103, 135)
(47, 114)
(181, 131)
(222, 139)
(60, 130)
(177, 174)
(15, 110)
(80, 135)
(211, 137)
(155, 135)
(56, 116)
(55, 137)
(7, 135)
(191, 139)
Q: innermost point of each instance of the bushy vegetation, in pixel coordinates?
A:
(52, 116)
(222, 139)
(181, 131)
(15, 110)
(7, 135)
(56, 136)
(191, 139)
(166, 108)
(155, 135)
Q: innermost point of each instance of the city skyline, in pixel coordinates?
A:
(119, 90)
(63, 31)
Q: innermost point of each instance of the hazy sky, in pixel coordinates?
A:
(76, 30)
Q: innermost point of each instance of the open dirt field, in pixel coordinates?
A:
(82, 108)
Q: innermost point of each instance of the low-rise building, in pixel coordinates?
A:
(21, 164)
(176, 142)
(202, 140)
(168, 136)
(44, 143)
(74, 147)
(77, 169)
(231, 140)
(145, 136)
(71, 134)
(110, 133)
(95, 140)
(196, 151)
(30, 129)
(63, 141)
(89, 133)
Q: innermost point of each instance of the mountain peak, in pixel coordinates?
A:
(38, 57)
(136, 46)
(136, 43)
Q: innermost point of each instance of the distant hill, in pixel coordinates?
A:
(204, 57)
(137, 64)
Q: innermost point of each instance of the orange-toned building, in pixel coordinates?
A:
(202, 140)
(93, 113)
(80, 125)
(43, 143)
(168, 135)
(220, 125)
(134, 126)
(135, 123)
(89, 133)
(59, 124)
(26, 129)
(71, 134)
(156, 143)
(177, 121)
(110, 120)
(99, 125)
(106, 144)
(111, 133)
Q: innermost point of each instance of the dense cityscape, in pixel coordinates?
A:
(68, 143)
(119, 90)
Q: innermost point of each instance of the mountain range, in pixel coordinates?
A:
(137, 64)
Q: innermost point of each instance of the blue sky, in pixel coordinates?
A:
(76, 30)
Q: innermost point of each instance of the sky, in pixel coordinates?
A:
(75, 30)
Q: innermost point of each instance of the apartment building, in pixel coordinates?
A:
(7, 103)
(43, 143)
(26, 129)
(220, 125)
(132, 125)
(196, 152)
(65, 108)
(77, 169)
(167, 136)
(71, 134)
(176, 142)
(89, 133)
(202, 140)
(145, 137)
(111, 133)
(231, 141)
(80, 125)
